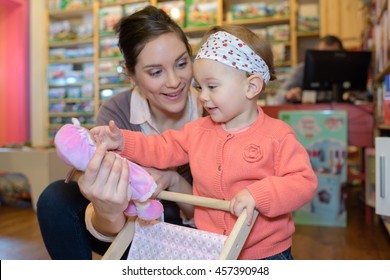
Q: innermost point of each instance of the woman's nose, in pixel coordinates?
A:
(173, 80)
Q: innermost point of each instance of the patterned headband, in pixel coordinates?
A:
(230, 50)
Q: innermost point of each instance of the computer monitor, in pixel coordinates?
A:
(332, 73)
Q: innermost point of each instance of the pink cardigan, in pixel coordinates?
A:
(267, 159)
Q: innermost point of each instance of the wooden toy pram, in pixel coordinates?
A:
(230, 247)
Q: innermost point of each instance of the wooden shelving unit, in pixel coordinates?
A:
(379, 26)
(100, 78)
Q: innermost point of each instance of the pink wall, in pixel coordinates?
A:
(14, 72)
(2, 76)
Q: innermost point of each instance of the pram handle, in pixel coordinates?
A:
(195, 200)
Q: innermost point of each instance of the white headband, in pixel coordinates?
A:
(230, 50)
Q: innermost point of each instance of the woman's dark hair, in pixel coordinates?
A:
(136, 30)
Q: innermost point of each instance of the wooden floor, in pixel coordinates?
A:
(20, 237)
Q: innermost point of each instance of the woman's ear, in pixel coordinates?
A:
(128, 77)
(255, 86)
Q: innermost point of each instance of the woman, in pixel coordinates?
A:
(157, 59)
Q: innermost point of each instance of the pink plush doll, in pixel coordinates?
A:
(76, 147)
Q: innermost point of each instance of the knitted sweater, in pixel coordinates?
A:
(267, 159)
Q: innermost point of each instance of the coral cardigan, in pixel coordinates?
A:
(267, 159)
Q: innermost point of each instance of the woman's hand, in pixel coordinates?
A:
(170, 180)
(243, 201)
(105, 184)
(165, 179)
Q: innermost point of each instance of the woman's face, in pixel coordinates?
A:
(163, 73)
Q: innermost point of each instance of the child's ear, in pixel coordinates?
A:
(255, 86)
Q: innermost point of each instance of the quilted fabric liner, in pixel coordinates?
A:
(155, 240)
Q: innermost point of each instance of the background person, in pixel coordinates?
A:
(291, 89)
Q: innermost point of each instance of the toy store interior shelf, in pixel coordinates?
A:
(381, 75)
(303, 34)
(121, 2)
(64, 14)
(383, 127)
(68, 43)
(40, 166)
(360, 119)
(382, 130)
(264, 20)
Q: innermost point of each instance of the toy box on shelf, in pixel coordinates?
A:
(249, 10)
(278, 33)
(108, 47)
(324, 135)
(175, 9)
(131, 8)
(55, 5)
(278, 8)
(252, 10)
(386, 100)
(308, 17)
(108, 17)
(66, 30)
(369, 159)
(201, 12)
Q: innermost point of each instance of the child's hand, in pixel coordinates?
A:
(110, 135)
(243, 200)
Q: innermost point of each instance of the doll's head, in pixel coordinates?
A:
(74, 145)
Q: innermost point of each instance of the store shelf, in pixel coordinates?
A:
(383, 127)
(70, 114)
(119, 2)
(72, 60)
(381, 75)
(71, 13)
(107, 79)
(305, 34)
(69, 100)
(70, 43)
(261, 21)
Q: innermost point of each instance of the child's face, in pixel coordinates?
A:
(222, 91)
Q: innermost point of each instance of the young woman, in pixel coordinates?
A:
(237, 153)
(157, 59)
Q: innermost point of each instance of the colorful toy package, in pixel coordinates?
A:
(324, 135)
(201, 13)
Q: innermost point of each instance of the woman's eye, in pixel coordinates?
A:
(155, 73)
(212, 87)
(182, 64)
